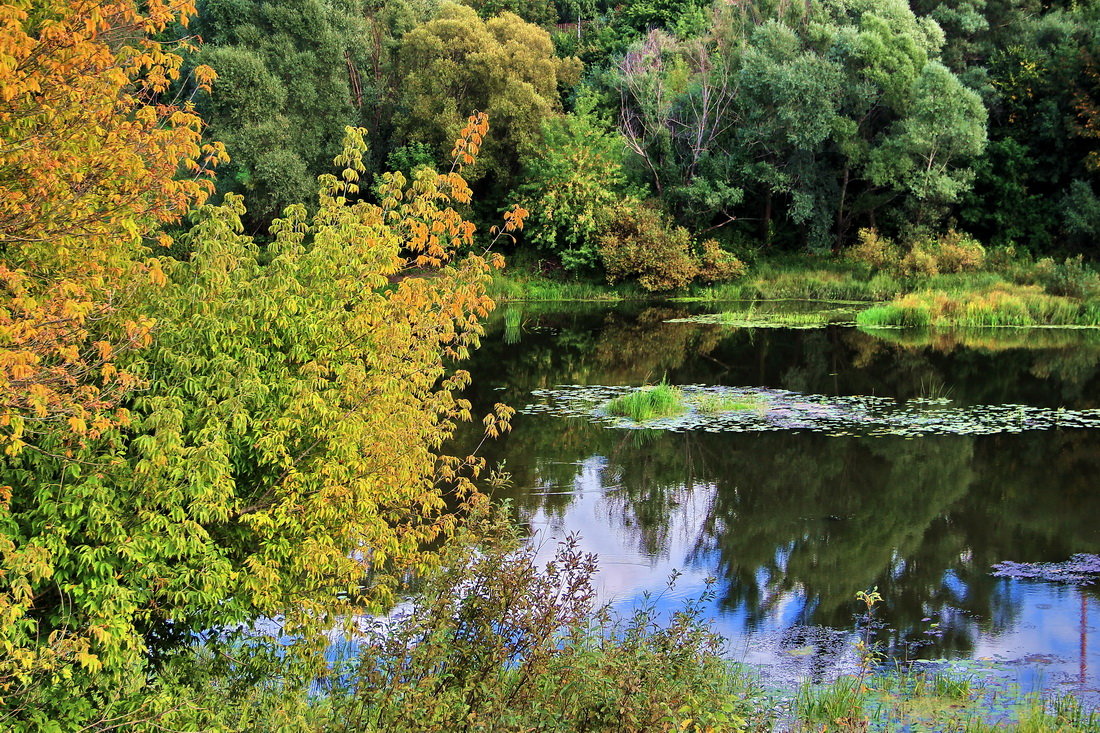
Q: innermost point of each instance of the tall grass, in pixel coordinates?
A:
(648, 403)
(998, 306)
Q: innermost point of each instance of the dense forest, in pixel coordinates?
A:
(246, 245)
(757, 125)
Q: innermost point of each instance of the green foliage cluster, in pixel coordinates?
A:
(504, 66)
(281, 459)
(776, 125)
(820, 114)
(288, 84)
(571, 184)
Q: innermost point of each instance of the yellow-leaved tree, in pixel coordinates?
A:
(252, 432)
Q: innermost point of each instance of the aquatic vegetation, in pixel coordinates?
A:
(1081, 569)
(754, 317)
(647, 403)
(998, 306)
(832, 415)
(712, 404)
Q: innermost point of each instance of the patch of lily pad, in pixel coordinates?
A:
(776, 410)
(753, 318)
(1081, 569)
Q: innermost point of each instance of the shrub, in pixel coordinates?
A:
(920, 260)
(496, 643)
(924, 255)
(958, 252)
(877, 252)
(716, 264)
(641, 242)
(1071, 278)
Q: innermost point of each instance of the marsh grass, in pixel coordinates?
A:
(778, 319)
(916, 699)
(649, 403)
(1003, 305)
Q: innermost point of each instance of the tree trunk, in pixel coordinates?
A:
(841, 223)
(766, 226)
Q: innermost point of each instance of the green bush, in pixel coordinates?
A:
(716, 264)
(642, 243)
(874, 251)
(923, 255)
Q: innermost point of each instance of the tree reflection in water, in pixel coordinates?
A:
(794, 523)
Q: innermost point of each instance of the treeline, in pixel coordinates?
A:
(700, 130)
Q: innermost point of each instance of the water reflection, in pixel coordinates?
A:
(792, 524)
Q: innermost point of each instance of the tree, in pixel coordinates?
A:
(504, 67)
(571, 184)
(289, 81)
(829, 108)
(92, 161)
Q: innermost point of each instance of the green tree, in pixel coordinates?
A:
(281, 460)
(832, 109)
(504, 66)
(292, 75)
(571, 184)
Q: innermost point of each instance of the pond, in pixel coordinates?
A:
(910, 462)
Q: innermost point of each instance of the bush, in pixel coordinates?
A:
(920, 260)
(923, 256)
(1071, 278)
(958, 252)
(495, 643)
(716, 264)
(642, 243)
(877, 252)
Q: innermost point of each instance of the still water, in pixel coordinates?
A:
(793, 520)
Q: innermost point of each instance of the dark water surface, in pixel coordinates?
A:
(793, 522)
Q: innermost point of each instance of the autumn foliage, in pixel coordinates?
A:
(90, 156)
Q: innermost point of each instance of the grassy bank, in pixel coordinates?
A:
(812, 278)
